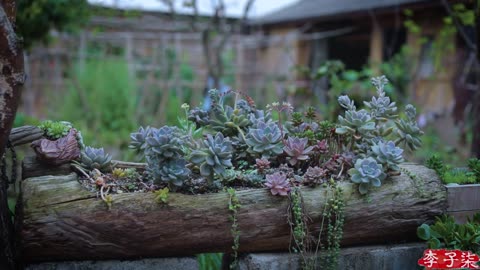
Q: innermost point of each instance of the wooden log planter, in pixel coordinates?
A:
(63, 221)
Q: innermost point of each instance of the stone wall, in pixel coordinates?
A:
(395, 257)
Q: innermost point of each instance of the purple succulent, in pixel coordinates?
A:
(297, 149)
(278, 184)
(322, 146)
(315, 176)
(262, 164)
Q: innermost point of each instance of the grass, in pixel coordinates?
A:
(210, 261)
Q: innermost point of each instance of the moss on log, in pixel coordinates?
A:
(62, 221)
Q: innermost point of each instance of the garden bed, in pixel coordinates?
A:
(64, 221)
(463, 201)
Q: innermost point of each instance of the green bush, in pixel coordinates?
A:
(100, 101)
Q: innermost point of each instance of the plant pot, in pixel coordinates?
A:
(63, 221)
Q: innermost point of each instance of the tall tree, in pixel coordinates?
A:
(12, 78)
(216, 31)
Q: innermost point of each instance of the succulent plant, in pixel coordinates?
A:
(297, 119)
(297, 150)
(224, 118)
(315, 176)
(244, 106)
(265, 139)
(138, 139)
(55, 129)
(214, 157)
(381, 107)
(367, 172)
(199, 117)
(388, 154)
(322, 146)
(174, 172)
(355, 121)
(119, 173)
(339, 163)
(163, 144)
(346, 103)
(262, 165)
(408, 131)
(95, 158)
(278, 184)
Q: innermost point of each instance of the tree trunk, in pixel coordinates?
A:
(63, 221)
(476, 95)
(12, 78)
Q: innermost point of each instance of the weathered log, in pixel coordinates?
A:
(62, 221)
(33, 168)
(24, 135)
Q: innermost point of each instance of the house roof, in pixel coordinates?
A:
(317, 9)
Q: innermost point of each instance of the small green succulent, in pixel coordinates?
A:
(55, 129)
(388, 154)
(367, 172)
(214, 157)
(474, 166)
(95, 158)
(265, 139)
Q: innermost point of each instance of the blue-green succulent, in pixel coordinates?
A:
(199, 117)
(265, 139)
(163, 144)
(225, 119)
(367, 172)
(214, 157)
(355, 121)
(408, 131)
(388, 154)
(346, 103)
(138, 139)
(95, 158)
(381, 108)
(173, 172)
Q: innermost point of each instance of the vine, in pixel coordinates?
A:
(332, 222)
(297, 219)
(233, 206)
(335, 219)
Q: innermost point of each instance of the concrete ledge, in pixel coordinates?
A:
(387, 257)
(187, 263)
(398, 257)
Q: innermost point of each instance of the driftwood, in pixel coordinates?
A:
(24, 135)
(62, 221)
(33, 168)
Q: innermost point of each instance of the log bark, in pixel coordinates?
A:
(24, 135)
(33, 168)
(62, 221)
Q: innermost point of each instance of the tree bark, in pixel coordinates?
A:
(12, 78)
(63, 221)
(476, 97)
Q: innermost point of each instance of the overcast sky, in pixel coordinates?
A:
(234, 7)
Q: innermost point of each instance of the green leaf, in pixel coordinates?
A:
(434, 243)
(423, 232)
